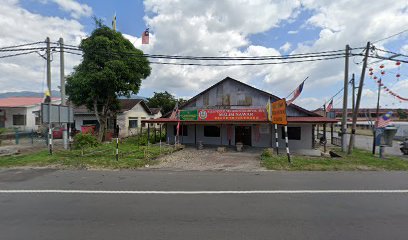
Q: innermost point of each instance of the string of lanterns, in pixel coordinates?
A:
(379, 82)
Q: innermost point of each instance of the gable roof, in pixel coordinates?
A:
(21, 101)
(275, 98)
(125, 104)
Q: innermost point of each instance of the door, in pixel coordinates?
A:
(243, 134)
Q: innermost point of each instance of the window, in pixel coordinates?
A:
(132, 122)
(19, 120)
(143, 124)
(212, 131)
(183, 130)
(293, 133)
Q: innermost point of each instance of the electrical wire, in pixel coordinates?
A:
(17, 54)
(22, 45)
(21, 49)
(406, 30)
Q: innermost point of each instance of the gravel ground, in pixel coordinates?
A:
(209, 159)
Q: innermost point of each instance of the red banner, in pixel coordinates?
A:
(253, 114)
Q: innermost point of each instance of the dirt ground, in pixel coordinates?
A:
(209, 159)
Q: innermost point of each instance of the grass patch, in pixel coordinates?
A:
(359, 160)
(130, 156)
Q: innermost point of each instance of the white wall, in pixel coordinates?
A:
(29, 117)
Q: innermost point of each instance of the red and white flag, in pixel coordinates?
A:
(384, 120)
(145, 36)
(296, 93)
(178, 128)
(330, 106)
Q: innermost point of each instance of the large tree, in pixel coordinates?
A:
(164, 100)
(111, 67)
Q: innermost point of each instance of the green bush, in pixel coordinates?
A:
(267, 152)
(85, 140)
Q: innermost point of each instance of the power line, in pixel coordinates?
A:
(406, 30)
(21, 49)
(17, 54)
(22, 45)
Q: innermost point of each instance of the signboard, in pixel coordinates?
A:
(59, 114)
(251, 114)
(279, 112)
(188, 115)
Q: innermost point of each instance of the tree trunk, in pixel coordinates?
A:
(102, 127)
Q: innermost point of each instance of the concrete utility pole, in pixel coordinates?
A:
(62, 84)
(354, 92)
(357, 106)
(377, 112)
(324, 128)
(47, 40)
(345, 92)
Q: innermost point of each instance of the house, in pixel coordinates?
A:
(129, 118)
(209, 119)
(21, 112)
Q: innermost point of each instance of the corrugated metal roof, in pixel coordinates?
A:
(21, 101)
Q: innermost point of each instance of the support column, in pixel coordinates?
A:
(195, 134)
(148, 134)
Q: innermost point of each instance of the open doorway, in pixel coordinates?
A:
(243, 134)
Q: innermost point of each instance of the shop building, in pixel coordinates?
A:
(231, 111)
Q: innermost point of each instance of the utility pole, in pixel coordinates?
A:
(47, 40)
(357, 106)
(354, 93)
(377, 112)
(62, 84)
(345, 93)
(324, 128)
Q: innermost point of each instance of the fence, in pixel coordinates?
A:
(336, 141)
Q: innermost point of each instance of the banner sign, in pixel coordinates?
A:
(188, 115)
(279, 112)
(252, 114)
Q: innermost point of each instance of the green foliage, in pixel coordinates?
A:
(359, 160)
(165, 101)
(267, 152)
(402, 113)
(111, 67)
(82, 141)
(2, 130)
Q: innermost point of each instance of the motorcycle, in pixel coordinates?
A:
(404, 147)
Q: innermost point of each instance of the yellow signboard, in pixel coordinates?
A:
(279, 112)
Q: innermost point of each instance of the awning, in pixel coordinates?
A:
(290, 120)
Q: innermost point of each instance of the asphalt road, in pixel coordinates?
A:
(205, 215)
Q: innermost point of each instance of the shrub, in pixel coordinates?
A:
(267, 152)
(85, 140)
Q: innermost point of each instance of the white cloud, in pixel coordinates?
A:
(286, 47)
(20, 26)
(76, 9)
(293, 32)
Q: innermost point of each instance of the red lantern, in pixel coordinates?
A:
(375, 77)
(398, 75)
(371, 73)
(382, 66)
(371, 69)
(382, 72)
(398, 63)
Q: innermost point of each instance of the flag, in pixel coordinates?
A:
(114, 23)
(330, 106)
(296, 93)
(178, 128)
(268, 110)
(384, 120)
(145, 36)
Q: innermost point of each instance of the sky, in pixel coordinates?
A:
(219, 28)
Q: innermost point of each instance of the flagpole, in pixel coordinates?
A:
(296, 87)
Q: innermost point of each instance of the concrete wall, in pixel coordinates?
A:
(136, 113)
(265, 138)
(29, 117)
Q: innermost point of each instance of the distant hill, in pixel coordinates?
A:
(28, 94)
